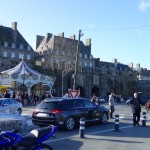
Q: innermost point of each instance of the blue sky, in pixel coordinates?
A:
(100, 20)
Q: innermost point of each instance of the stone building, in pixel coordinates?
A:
(93, 75)
(56, 55)
(13, 47)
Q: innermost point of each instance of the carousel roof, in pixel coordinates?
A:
(22, 69)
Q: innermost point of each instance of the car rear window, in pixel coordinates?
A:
(48, 105)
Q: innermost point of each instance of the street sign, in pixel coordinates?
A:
(74, 93)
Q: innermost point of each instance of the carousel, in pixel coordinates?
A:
(23, 74)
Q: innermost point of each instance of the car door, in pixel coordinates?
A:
(79, 109)
(92, 110)
(13, 106)
(6, 106)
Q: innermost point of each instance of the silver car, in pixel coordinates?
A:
(10, 106)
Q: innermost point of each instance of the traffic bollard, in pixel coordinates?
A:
(82, 128)
(117, 122)
(144, 119)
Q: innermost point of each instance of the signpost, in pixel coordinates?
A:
(74, 93)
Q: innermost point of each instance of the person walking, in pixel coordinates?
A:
(135, 104)
(147, 107)
(111, 102)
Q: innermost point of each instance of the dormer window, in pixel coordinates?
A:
(29, 48)
(25, 46)
(20, 46)
(5, 44)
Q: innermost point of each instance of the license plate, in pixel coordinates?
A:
(42, 115)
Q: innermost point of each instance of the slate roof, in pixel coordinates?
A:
(6, 34)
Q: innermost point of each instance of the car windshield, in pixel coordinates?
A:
(48, 105)
(1, 101)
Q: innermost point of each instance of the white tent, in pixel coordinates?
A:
(24, 74)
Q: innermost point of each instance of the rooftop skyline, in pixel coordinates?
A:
(118, 29)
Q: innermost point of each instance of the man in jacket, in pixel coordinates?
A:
(135, 104)
(111, 104)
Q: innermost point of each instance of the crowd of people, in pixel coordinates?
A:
(25, 99)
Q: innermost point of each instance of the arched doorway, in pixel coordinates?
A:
(81, 91)
(95, 90)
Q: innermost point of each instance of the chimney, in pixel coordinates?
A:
(61, 34)
(14, 32)
(88, 42)
(88, 45)
(14, 25)
(137, 65)
(73, 37)
(48, 36)
(130, 65)
(115, 61)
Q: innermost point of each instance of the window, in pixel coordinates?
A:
(28, 48)
(91, 64)
(85, 64)
(13, 55)
(20, 46)
(13, 45)
(80, 55)
(4, 54)
(21, 56)
(89, 104)
(85, 56)
(28, 57)
(5, 44)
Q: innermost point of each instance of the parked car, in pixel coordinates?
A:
(10, 106)
(67, 112)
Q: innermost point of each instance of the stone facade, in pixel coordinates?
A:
(93, 75)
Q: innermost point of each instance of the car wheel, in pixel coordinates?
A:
(19, 111)
(104, 118)
(69, 123)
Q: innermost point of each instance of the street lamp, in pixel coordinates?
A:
(76, 63)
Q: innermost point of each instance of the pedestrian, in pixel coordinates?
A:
(147, 107)
(111, 102)
(135, 104)
(95, 100)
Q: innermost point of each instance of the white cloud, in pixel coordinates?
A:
(144, 5)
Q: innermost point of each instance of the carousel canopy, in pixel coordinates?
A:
(24, 74)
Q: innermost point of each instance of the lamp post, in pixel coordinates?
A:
(76, 62)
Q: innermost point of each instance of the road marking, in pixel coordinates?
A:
(59, 139)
